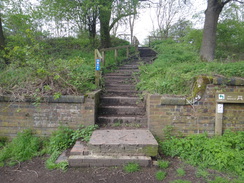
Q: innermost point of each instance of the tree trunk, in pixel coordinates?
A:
(209, 31)
(104, 17)
(2, 40)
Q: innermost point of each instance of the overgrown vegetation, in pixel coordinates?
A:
(225, 153)
(52, 67)
(26, 146)
(177, 65)
(23, 147)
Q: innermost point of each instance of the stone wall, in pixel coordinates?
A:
(199, 116)
(47, 116)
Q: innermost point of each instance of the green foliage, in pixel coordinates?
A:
(202, 173)
(219, 179)
(177, 65)
(220, 152)
(180, 181)
(230, 42)
(131, 167)
(163, 164)
(160, 175)
(62, 139)
(23, 147)
(180, 172)
(3, 141)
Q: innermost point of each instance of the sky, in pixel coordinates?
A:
(144, 24)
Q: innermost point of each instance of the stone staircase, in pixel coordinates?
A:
(121, 107)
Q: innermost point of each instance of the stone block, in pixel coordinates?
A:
(168, 100)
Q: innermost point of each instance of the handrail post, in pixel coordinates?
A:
(103, 56)
(116, 55)
(98, 61)
(127, 52)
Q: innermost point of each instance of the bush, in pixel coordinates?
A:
(219, 152)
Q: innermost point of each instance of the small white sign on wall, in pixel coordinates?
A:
(220, 108)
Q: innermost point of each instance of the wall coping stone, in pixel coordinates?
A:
(173, 100)
(234, 81)
(50, 99)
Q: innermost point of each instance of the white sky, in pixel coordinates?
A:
(144, 25)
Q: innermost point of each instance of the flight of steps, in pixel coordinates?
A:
(123, 136)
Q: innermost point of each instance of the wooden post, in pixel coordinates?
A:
(103, 55)
(127, 52)
(116, 55)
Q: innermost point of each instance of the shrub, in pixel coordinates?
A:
(219, 152)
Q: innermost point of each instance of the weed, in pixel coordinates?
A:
(160, 175)
(202, 173)
(62, 139)
(163, 164)
(21, 148)
(219, 179)
(219, 152)
(3, 141)
(181, 172)
(131, 167)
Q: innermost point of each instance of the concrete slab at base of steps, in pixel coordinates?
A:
(124, 142)
(107, 161)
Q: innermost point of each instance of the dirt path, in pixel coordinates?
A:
(34, 171)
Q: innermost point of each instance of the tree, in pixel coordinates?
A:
(212, 13)
(105, 12)
(2, 39)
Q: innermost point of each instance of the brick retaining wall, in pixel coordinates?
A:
(45, 117)
(167, 110)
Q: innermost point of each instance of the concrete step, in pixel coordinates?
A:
(123, 121)
(123, 142)
(121, 92)
(107, 161)
(117, 77)
(120, 87)
(121, 110)
(121, 101)
(115, 148)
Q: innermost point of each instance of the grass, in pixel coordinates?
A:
(180, 172)
(160, 175)
(163, 164)
(224, 153)
(176, 67)
(24, 147)
(27, 145)
(131, 167)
